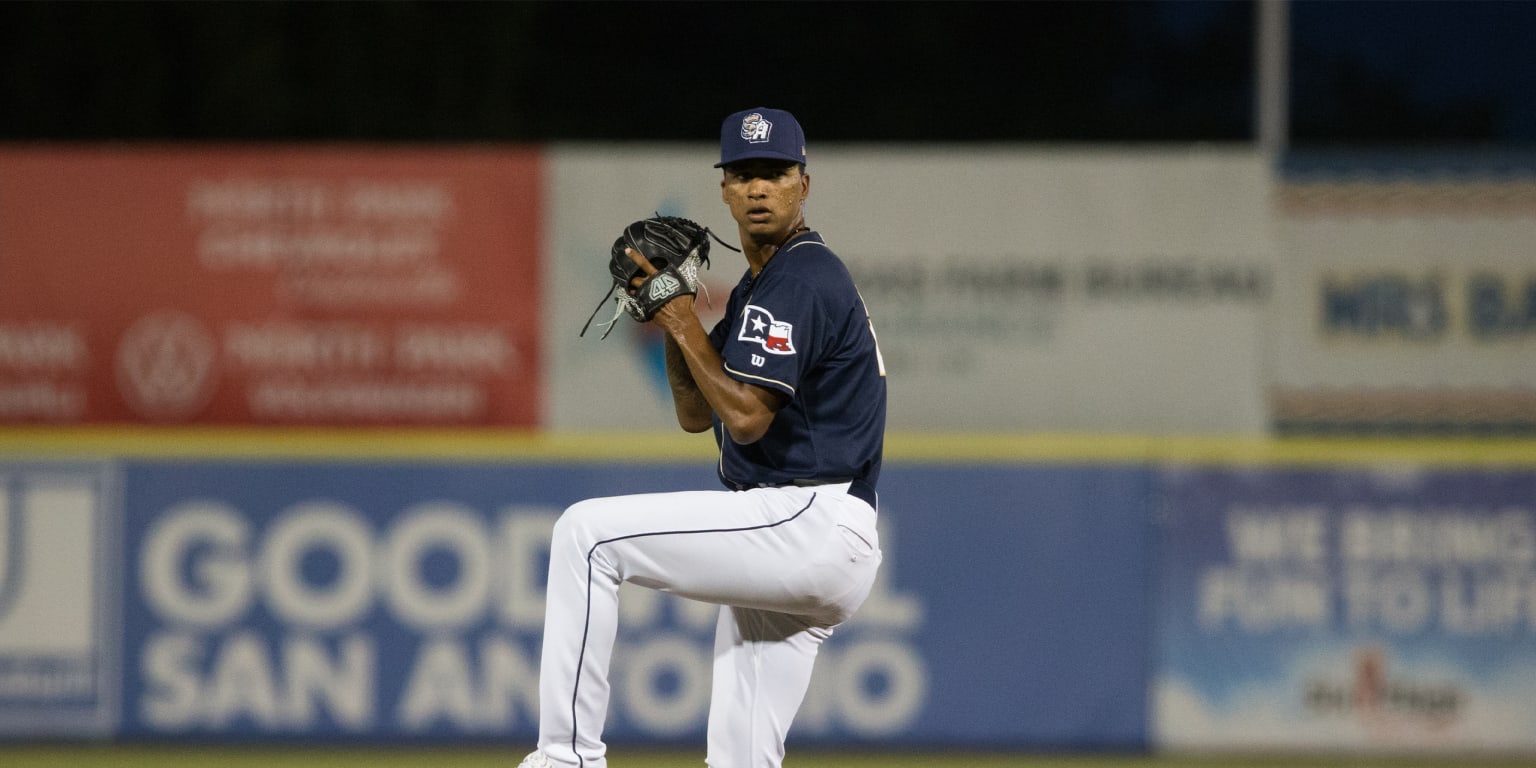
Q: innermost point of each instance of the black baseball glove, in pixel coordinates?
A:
(672, 250)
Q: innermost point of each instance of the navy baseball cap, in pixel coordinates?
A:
(761, 133)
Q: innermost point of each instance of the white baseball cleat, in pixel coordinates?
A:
(535, 760)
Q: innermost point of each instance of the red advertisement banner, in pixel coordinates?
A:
(270, 285)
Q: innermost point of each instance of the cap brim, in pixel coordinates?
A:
(761, 156)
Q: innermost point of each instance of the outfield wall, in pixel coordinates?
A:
(1062, 593)
(446, 286)
(1015, 288)
(367, 601)
(283, 429)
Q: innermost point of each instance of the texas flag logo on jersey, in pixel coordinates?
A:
(759, 327)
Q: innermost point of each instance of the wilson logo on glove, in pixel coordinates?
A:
(759, 327)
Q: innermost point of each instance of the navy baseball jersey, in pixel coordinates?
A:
(801, 328)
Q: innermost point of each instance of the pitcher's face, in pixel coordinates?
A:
(766, 197)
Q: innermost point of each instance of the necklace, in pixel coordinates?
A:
(793, 232)
(780, 246)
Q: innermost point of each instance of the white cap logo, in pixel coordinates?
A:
(755, 129)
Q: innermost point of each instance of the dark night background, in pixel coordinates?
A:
(1384, 72)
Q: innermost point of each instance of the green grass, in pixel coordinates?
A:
(106, 756)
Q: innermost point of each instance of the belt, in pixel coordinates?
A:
(812, 483)
(857, 487)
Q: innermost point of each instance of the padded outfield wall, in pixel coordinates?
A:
(1037, 593)
(284, 431)
(1014, 288)
(445, 286)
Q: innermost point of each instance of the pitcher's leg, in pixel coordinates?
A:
(580, 624)
(668, 541)
(762, 668)
(775, 550)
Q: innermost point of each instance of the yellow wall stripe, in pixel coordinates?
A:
(505, 445)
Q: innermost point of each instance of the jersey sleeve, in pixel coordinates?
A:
(771, 338)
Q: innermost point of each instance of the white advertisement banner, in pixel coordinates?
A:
(59, 603)
(1408, 305)
(1012, 289)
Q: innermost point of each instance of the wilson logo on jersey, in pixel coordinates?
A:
(759, 327)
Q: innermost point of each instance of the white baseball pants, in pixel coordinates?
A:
(787, 564)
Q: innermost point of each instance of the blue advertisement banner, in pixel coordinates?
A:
(1360, 609)
(1033, 580)
(271, 600)
(376, 602)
